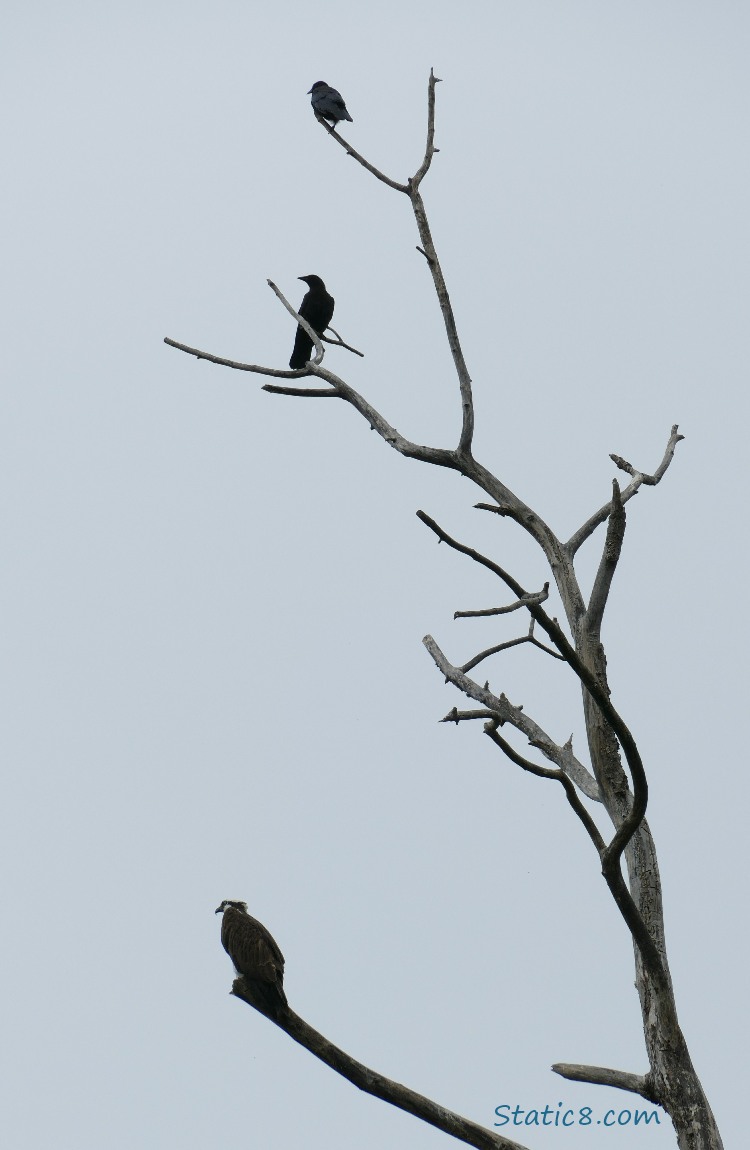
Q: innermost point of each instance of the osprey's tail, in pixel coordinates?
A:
(269, 997)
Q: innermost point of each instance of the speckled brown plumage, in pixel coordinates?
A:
(255, 954)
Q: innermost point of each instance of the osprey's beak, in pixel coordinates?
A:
(218, 910)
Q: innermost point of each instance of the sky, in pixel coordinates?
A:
(214, 598)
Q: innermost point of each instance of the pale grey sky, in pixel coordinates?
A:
(214, 598)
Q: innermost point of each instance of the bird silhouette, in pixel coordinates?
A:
(317, 309)
(328, 103)
(255, 954)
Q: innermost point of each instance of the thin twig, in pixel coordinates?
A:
(639, 478)
(339, 342)
(547, 773)
(493, 651)
(253, 367)
(430, 148)
(543, 646)
(534, 597)
(361, 159)
(505, 647)
(477, 556)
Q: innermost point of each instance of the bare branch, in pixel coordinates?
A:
(361, 160)
(651, 480)
(456, 716)
(639, 477)
(543, 647)
(504, 711)
(430, 148)
(603, 1076)
(316, 392)
(477, 556)
(378, 1085)
(598, 692)
(438, 456)
(609, 560)
(544, 772)
(254, 367)
(535, 641)
(494, 651)
(339, 342)
(535, 597)
(430, 254)
(257, 369)
(495, 508)
(506, 646)
(464, 379)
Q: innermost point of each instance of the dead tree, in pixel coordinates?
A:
(616, 777)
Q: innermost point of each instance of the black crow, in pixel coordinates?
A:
(328, 103)
(317, 309)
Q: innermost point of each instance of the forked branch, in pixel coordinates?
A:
(411, 189)
(533, 597)
(598, 692)
(506, 646)
(501, 709)
(639, 478)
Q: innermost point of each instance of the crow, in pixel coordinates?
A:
(328, 103)
(317, 309)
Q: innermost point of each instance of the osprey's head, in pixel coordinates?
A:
(231, 902)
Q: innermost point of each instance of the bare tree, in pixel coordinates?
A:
(621, 787)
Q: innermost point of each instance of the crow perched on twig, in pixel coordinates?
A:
(328, 103)
(317, 309)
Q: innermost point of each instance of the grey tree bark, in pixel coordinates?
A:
(616, 776)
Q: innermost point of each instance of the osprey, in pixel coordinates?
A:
(255, 954)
